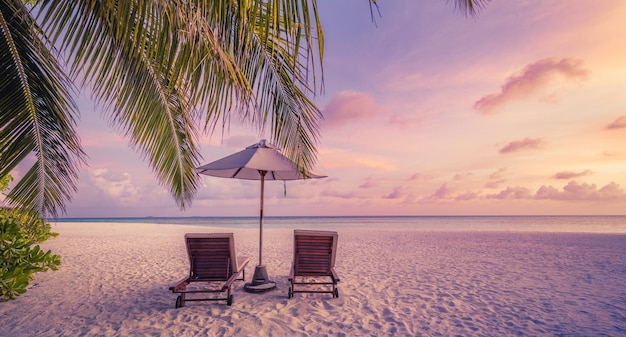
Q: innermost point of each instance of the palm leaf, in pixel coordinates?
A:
(271, 44)
(469, 7)
(37, 115)
(126, 51)
(152, 63)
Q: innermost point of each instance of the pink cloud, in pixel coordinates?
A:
(443, 192)
(398, 192)
(420, 177)
(619, 123)
(570, 174)
(404, 121)
(495, 183)
(347, 107)
(512, 193)
(526, 143)
(612, 191)
(461, 176)
(369, 183)
(467, 196)
(533, 78)
(498, 174)
(582, 191)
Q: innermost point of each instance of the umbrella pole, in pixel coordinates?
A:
(260, 280)
(261, 217)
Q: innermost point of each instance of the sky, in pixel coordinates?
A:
(520, 110)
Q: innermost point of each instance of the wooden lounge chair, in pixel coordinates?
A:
(212, 261)
(313, 258)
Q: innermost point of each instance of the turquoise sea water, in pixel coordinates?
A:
(550, 224)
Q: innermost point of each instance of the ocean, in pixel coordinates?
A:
(550, 224)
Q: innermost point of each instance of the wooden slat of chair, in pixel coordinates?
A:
(210, 258)
(313, 256)
(213, 268)
(210, 261)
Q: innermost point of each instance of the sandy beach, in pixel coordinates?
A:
(115, 277)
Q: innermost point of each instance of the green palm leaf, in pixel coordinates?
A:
(271, 46)
(126, 51)
(37, 115)
(153, 70)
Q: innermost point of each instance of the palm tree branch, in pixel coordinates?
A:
(39, 116)
(270, 44)
(120, 44)
(25, 91)
(279, 69)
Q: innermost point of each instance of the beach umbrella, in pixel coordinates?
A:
(260, 161)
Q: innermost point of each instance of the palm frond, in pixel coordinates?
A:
(152, 63)
(277, 48)
(469, 7)
(38, 115)
(127, 52)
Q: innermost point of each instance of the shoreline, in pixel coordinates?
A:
(114, 282)
(610, 224)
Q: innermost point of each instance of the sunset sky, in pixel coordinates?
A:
(520, 110)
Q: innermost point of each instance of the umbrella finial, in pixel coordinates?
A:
(262, 144)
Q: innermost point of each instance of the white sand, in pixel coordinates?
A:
(115, 277)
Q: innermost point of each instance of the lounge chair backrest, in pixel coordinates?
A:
(314, 251)
(211, 255)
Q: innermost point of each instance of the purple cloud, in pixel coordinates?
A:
(571, 175)
(461, 176)
(420, 177)
(512, 193)
(404, 121)
(498, 174)
(495, 183)
(526, 143)
(619, 123)
(398, 192)
(369, 183)
(467, 196)
(582, 191)
(443, 192)
(496, 178)
(531, 79)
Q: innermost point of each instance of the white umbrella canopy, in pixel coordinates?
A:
(248, 163)
(260, 161)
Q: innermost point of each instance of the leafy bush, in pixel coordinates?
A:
(32, 226)
(19, 259)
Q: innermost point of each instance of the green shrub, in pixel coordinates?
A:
(19, 259)
(32, 226)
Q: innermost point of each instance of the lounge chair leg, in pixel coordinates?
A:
(180, 301)
(230, 300)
